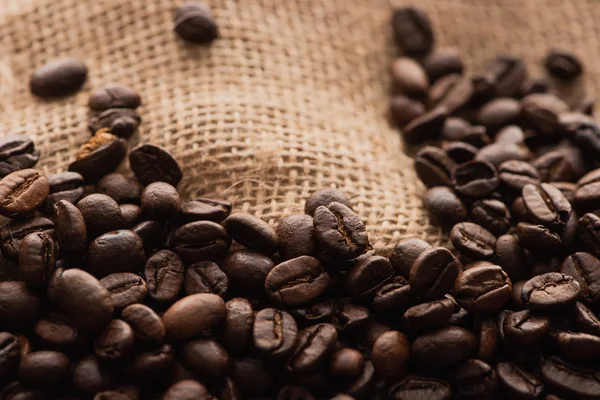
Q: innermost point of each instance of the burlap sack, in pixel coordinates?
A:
(292, 97)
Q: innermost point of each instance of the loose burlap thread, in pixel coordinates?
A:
(292, 97)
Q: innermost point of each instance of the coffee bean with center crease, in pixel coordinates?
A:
(236, 329)
(586, 194)
(425, 127)
(114, 96)
(428, 316)
(572, 381)
(121, 188)
(443, 348)
(44, 369)
(195, 23)
(323, 197)
(146, 324)
(474, 380)
(541, 111)
(546, 205)
(452, 93)
(204, 210)
(475, 179)
(101, 214)
(160, 201)
(492, 215)
(101, 155)
(434, 167)
(473, 240)
(116, 251)
(364, 279)
(391, 354)
(412, 30)
(516, 174)
(71, 230)
(63, 186)
(193, 314)
(392, 296)
(525, 330)
(297, 281)
(433, 273)
(125, 288)
(413, 387)
(562, 64)
(577, 346)
(405, 253)
(19, 307)
(340, 231)
(200, 241)
(296, 236)
(57, 331)
(538, 238)
(274, 333)
(205, 277)
(460, 152)
(121, 122)
(247, 271)
(482, 289)
(585, 269)
(58, 78)
(552, 291)
(16, 153)
(444, 204)
(37, 259)
(585, 320)
(10, 352)
(403, 110)
(409, 77)
(588, 230)
(151, 163)
(252, 232)
(164, 276)
(518, 383)
(13, 233)
(21, 192)
(313, 346)
(115, 342)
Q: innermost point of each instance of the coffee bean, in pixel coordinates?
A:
(146, 324)
(499, 153)
(391, 354)
(475, 179)
(205, 357)
(412, 30)
(474, 379)
(525, 330)
(323, 197)
(314, 314)
(412, 387)
(153, 234)
(516, 174)
(71, 230)
(56, 331)
(510, 134)
(151, 364)
(21, 192)
(460, 152)
(125, 288)
(459, 130)
(444, 204)
(508, 74)
(538, 237)
(296, 236)
(252, 232)
(313, 346)
(403, 110)
(247, 270)
(151, 163)
(405, 253)
(116, 251)
(442, 348)
(550, 291)
(452, 93)
(101, 214)
(114, 96)
(236, 329)
(346, 363)
(274, 333)
(63, 186)
(205, 277)
(473, 240)
(428, 316)
(510, 256)
(121, 188)
(43, 369)
(392, 296)
(121, 122)
(588, 230)
(252, 376)
(517, 382)
(348, 317)
(193, 314)
(563, 64)
(160, 201)
(297, 281)
(115, 342)
(426, 127)
(200, 241)
(585, 269)
(131, 213)
(577, 346)
(340, 231)
(164, 276)
(19, 308)
(13, 233)
(90, 376)
(585, 320)
(195, 23)
(585, 133)
(204, 210)
(16, 153)
(434, 167)
(58, 78)
(367, 277)
(482, 289)
(499, 113)
(433, 273)
(409, 77)
(487, 334)
(442, 62)
(363, 384)
(187, 390)
(574, 381)
(101, 155)
(492, 215)
(10, 352)
(37, 259)
(586, 194)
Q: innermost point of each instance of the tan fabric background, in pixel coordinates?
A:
(291, 98)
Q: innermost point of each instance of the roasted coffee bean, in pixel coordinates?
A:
(43, 369)
(160, 201)
(58, 78)
(204, 210)
(101, 155)
(585, 269)
(90, 376)
(585, 320)
(205, 277)
(57, 332)
(460, 152)
(21, 192)
(541, 111)
(297, 237)
(550, 291)
(146, 324)
(121, 122)
(420, 387)
(340, 231)
(428, 316)
(274, 333)
(193, 314)
(313, 346)
(114, 96)
(125, 288)
(63, 186)
(153, 234)
(499, 113)
(518, 383)
(403, 110)
(13, 233)
(433, 273)
(348, 317)
(538, 238)
(392, 296)
(499, 153)
(363, 384)
(298, 281)
(576, 382)
(252, 232)
(554, 166)
(131, 213)
(19, 308)
(459, 130)
(474, 379)
(37, 259)
(412, 30)
(586, 194)
(409, 77)
(151, 364)
(516, 174)
(366, 277)
(10, 353)
(115, 342)
(101, 214)
(426, 127)
(588, 230)
(473, 240)
(151, 163)
(164, 276)
(247, 270)
(442, 62)
(510, 134)
(510, 256)
(487, 334)
(563, 64)
(205, 357)
(200, 241)
(524, 330)
(452, 93)
(492, 215)
(475, 179)
(347, 363)
(71, 230)
(82, 297)
(252, 376)
(391, 354)
(187, 390)
(16, 153)
(405, 253)
(585, 134)
(236, 330)
(195, 23)
(444, 204)
(577, 346)
(508, 74)
(442, 348)
(323, 197)
(121, 188)
(482, 289)
(116, 251)
(434, 167)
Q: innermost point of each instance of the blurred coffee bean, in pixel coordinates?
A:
(412, 30)
(58, 78)
(563, 64)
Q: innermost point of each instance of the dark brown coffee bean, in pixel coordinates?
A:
(541, 111)
(71, 230)
(43, 369)
(473, 240)
(21, 192)
(444, 204)
(391, 354)
(452, 92)
(562, 64)
(114, 96)
(19, 308)
(510, 134)
(63, 186)
(193, 314)
(204, 210)
(117, 251)
(247, 270)
(403, 110)
(125, 288)
(314, 314)
(487, 335)
(492, 215)
(131, 213)
(588, 230)
(151, 163)
(525, 330)
(346, 363)
(274, 333)
(252, 232)
(348, 317)
(585, 134)
(587, 197)
(115, 342)
(146, 324)
(460, 152)
(187, 390)
(297, 281)
(577, 382)
(82, 297)
(499, 113)
(363, 384)
(58, 78)
(90, 376)
(153, 234)
(313, 346)
(121, 122)
(16, 153)
(392, 296)
(56, 331)
(10, 354)
(508, 74)
(195, 23)
(474, 379)
(37, 259)
(101, 155)
(121, 188)
(554, 166)
(160, 201)
(101, 214)
(475, 179)
(296, 236)
(428, 316)
(323, 197)
(577, 346)
(499, 153)
(442, 348)
(426, 127)
(459, 130)
(510, 256)
(205, 357)
(200, 241)
(538, 237)
(585, 269)
(164, 276)
(442, 62)
(412, 30)
(13, 233)
(550, 291)
(151, 364)
(364, 279)
(482, 289)
(433, 273)
(412, 387)
(340, 231)
(409, 77)
(518, 383)
(252, 376)
(236, 330)
(405, 253)
(585, 320)
(516, 174)
(205, 277)
(434, 167)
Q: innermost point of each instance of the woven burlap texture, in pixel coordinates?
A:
(292, 97)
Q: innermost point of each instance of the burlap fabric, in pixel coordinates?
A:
(292, 97)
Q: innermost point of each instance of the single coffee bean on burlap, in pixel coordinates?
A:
(21, 192)
(200, 241)
(115, 342)
(195, 23)
(125, 288)
(443, 61)
(473, 240)
(412, 30)
(204, 210)
(475, 179)
(426, 127)
(144, 321)
(445, 205)
(58, 78)
(121, 122)
(37, 259)
(409, 77)
(274, 333)
(562, 64)
(252, 232)
(151, 163)
(101, 155)
(116, 251)
(433, 273)
(413, 386)
(518, 382)
(434, 167)
(114, 96)
(552, 291)
(297, 282)
(16, 153)
(205, 357)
